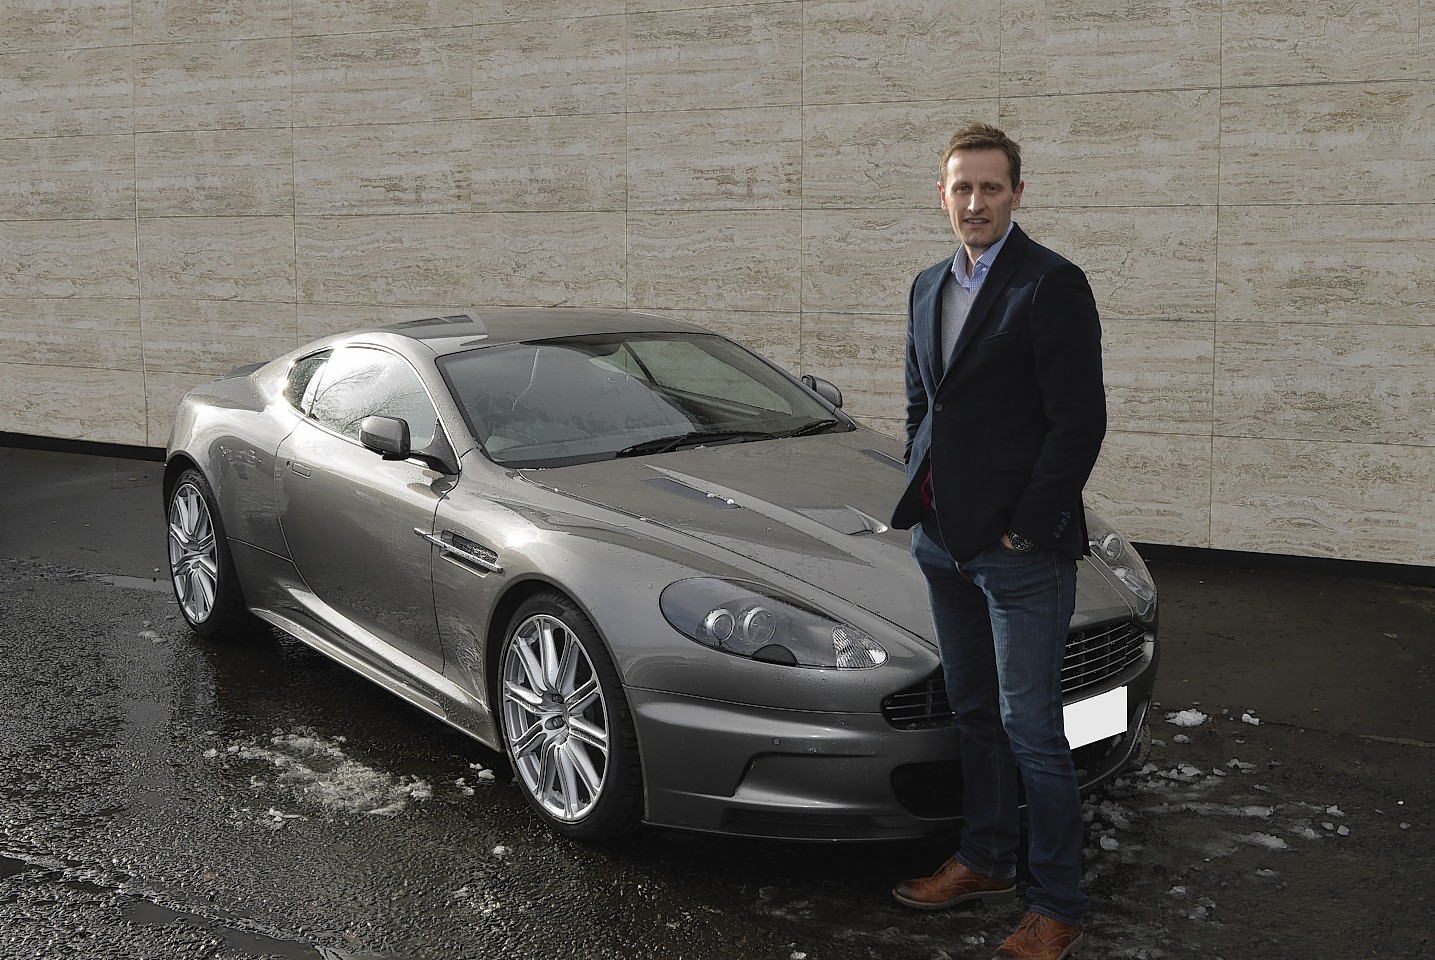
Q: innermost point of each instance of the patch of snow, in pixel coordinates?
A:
(1110, 843)
(1250, 718)
(1343, 830)
(1187, 718)
(1180, 738)
(1334, 811)
(1265, 840)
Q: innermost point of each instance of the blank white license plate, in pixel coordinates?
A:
(1096, 718)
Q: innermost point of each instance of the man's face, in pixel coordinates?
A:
(978, 196)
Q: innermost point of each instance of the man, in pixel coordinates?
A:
(1005, 416)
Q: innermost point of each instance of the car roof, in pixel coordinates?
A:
(484, 328)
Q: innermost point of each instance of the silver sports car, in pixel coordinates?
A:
(644, 562)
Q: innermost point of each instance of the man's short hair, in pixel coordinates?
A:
(983, 136)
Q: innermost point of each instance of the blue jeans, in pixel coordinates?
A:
(1002, 620)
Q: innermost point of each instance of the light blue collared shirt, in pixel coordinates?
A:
(983, 264)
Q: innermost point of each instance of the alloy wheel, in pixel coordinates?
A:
(555, 717)
(193, 552)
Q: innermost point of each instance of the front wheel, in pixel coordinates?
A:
(200, 565)
(566, 724)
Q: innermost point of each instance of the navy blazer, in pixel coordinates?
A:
(1012, 424)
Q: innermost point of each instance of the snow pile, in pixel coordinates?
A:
(316, 770)
(1187, 718)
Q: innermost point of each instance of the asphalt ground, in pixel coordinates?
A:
(1284, 809)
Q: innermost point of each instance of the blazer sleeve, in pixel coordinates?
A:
(1066, 349)
(916, 392)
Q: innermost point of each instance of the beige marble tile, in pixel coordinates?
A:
(776, 336)
(1354, 501)
(880, 154)
(715, 58)
(63, 24)
(1425, 46)
(59, 177)
(1154, 487)
(550, 259)
(1320, 41)
(1350, 264)
(1118, 149)
(863, 354)
(71, 333)
(398, 77)
(67, 93)
(1332, 143)
(1143, 263)
(369, 16)
(1094, 46)
(165, 21)
(716, 159)
(73, 403)
(1158, 375)
(532, 164)
(1326, 382)
(317, 320)
(402, 259)
(661, 6)
(861, 51)
(215, 173)
(733, 260)
(217, 258)
(864, 261)
(68, 258)
(550, 67)
(487, 12)
(226, 85)
(383, 168)
(212, 337)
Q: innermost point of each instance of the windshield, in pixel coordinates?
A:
(549, 403)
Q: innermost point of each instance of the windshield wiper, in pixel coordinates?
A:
(816, 426)
(692, 438)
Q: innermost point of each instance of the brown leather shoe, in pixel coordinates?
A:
(951, 885)
(1039, 937)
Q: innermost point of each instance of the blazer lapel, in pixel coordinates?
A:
(997, 279)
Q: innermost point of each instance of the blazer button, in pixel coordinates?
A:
(937, 407)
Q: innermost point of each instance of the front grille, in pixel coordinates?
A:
(1093, 655)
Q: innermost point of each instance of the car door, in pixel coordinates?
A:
(349, 516)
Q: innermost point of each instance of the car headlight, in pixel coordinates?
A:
(751, 620)
(1125, 564)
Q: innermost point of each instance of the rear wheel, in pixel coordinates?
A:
(200, 565)
(566, 724)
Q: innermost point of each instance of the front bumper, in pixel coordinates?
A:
(744, 770)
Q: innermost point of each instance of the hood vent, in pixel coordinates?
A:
(848, 520)
(691, 493)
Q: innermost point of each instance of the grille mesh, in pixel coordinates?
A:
(1093, 655)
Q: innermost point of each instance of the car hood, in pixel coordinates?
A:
(813, 508)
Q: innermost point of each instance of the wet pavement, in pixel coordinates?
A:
(162, 797)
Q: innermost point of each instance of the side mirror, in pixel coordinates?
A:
(825, 389)
(386, 435)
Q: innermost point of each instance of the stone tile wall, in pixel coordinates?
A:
(186, 185)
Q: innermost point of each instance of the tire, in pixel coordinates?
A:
(200, 565)
(567, 728)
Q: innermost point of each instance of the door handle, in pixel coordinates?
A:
(299, 468)
(465, 549)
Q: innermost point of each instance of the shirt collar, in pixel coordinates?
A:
(983, 264)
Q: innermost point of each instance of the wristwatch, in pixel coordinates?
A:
(1019, 543)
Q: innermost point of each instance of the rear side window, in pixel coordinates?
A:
(300, 376)
(358, 382)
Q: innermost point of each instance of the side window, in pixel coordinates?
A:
(359, 382)
(301, 375)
